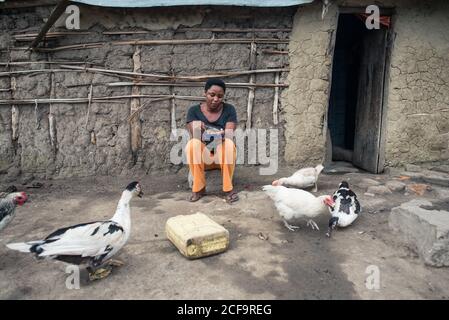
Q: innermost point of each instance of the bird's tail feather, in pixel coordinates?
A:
(22, 246)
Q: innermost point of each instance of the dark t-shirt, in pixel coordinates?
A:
(227, 115)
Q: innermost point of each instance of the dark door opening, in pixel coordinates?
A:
(356, 101)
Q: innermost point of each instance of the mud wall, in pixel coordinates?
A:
(65, 139)
(60, 140)
(417, 104)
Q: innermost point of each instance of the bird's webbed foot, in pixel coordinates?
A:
(115, 263)
(99, 273)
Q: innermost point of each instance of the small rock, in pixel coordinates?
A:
(412, 168)
(361, 232)
(369, 194)
(395, 186)
(379, 190)
(443, 168)
(366, 183)
(262, 236)
(419, 188)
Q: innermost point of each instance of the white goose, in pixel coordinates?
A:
(302, 178)
(92, 243)
(293, 204)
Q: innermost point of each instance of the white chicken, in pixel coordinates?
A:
(346, 208)
(294, 204)
(92, 243)
(8, 204)
(302, 178)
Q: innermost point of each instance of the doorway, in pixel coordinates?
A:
(356, 104)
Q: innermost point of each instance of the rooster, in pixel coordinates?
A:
(302, 178)
(8, 204)
(346, 208)
(92, 243)
(293, 204)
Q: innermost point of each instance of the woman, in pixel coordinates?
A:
(211, 125)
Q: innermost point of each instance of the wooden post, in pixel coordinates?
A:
(135, 126)
(89, 103)
(173, 134)
(276, 99)
(251, 93)
(51, 117)
(14, 114)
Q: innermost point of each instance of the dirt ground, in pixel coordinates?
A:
(264, 260)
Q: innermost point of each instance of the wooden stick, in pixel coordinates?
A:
(51, 116)
(9, 73)
(54, 15)
(49, 35)
(14, 110)
(195, 84)
(173, 134)
(276, 100)
(160, 76)
(243, 30)
(89, 97)
(274, 51)
(135, 126)
(146, 105)
(173, 118)
(232, 30)
(135, 74)
(99, 99)
(15, 115)
(45, 62)
(251, 93)
(162, 42)
(36, 115)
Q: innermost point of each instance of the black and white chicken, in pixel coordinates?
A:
(346, 208)
(9, 200)
(92, 243)
(294, 204)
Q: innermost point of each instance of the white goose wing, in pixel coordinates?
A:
(90, 239)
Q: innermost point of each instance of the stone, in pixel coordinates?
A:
(442, 168)
(440, 179)
(412, 168)
(378, 190)
(425, 227)
(395, 186)
(366, 183)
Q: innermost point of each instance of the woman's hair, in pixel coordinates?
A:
(215, 82)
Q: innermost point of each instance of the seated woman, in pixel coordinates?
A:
(211, 125)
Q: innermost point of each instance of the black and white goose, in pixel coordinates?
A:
(346, 208)
(93, 243)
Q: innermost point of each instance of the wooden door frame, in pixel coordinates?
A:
(390, 11)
